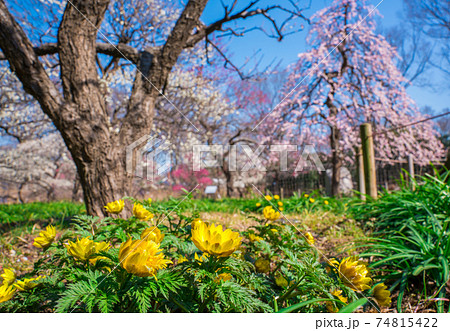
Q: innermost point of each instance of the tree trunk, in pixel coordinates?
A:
(81, 114)
(228, 179)
(103, 180)
(19, 193)
(336, 161)
(230, 189)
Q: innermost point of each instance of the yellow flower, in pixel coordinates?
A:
(281, 281)
(213, 240)
(27, 283)
(254, 237)
(223, 277)
(382, 295)
(258, 204)
(86, 249)
(268, 197)
(142, 258)
(196, 222)
(276, 197)
(338, 294)
(182, 259)
(115, 207)
(330, 307)
(280, 204)
(201, 258)
(281, 209)
(309, 238)
(262, 265)
(153, 234)
(306, 195)
(149, 200)
(326, 202)
(6, 292)
(311, 200)
(140, 212)
(354, 274)
(274, 230)
(45, 238)
(333, 265)
(270, 213)
(8, 276)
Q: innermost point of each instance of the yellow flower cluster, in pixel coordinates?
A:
(270, 213)
(223, 277)
(45, 238)
(6, 292)
(330, 306)
(153, 234)
(338, 294)
(382, 295)
(202, 258)
(281, 281)
(6, 289)
(262, 265)
(309, 238)
(87, 250)
(196, 222)
(27, 283)
(252, 237)
(141, 213)
(142, 258)
(11, 284)
(8, 276)
(115, 207)
(354, 274)
(213, 240)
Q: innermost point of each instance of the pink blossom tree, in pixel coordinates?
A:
(347, 78)
(188, 179)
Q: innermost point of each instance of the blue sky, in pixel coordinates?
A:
(287, 50)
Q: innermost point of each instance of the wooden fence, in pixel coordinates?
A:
(388, 176)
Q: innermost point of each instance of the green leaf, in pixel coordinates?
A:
(303, 304)
(351, 307)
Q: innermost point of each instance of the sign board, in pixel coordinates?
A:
(210, 189)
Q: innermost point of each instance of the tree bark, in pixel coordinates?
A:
(336, 161)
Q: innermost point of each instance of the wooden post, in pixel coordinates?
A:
(368, 160)
(361, 178)
(411, 170)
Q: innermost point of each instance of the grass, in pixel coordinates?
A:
(20, 223)
(61, 210)
(411, 239)
(18, 213)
